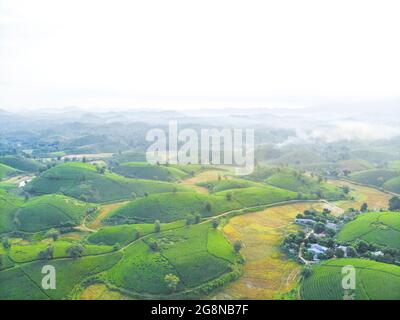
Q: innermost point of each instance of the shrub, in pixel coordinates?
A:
(157, 226)
(75, 251)
(237, 245)
(172, 281)
(53, 233)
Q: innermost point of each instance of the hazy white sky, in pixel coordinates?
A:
(97, 53)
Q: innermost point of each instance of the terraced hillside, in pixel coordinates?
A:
(382, 228)
(8, 206)
(41, 213)
(83, 182)
(198, 255)
(51, 211)
(374, 281)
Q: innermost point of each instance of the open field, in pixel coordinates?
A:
(267, 272)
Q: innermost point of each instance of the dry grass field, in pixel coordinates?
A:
(376, 199)
(205, 176)
(104, 212)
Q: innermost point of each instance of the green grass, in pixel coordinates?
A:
(70, 272)
(8, 206)
(393, 185)
(375, 177)
(51, 211)
(129, 156)
(143, 170)
(255, 196)
(184, 253)
(183, 205)
(163, 207)
(24, 282)
(21, 163)
(28, 253)
(222, 185)
(298, 157)
(141, 270)
(373, 156)
(124, 234)
(382, 228)
(374, 281)
(81, 181)
(6, 186)
(6, 171)
(19, 286)
(291, 180)
(395, 165)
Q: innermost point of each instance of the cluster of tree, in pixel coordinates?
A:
(394, 204)
(75, 251)
(46, 254)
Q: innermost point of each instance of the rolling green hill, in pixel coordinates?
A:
(382, 228)
(82, 181)
(183, 205)
(395, 165)
(197, 255)
(21, 163)
(374, 281)
(291, 180)
(126, 233)
(298, 157)
(222, 185)
(129, 156)
(392, 185)
(375, 177)
(24, 282)
(163, 207)
(6, 171)
(373, 156)
(144, 170)
(28, 253)
(51, 211)
(8, 206)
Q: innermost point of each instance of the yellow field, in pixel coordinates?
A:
(204, 177)
(101, 292)
(375, 198)
(104, 212)
(267, 272)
